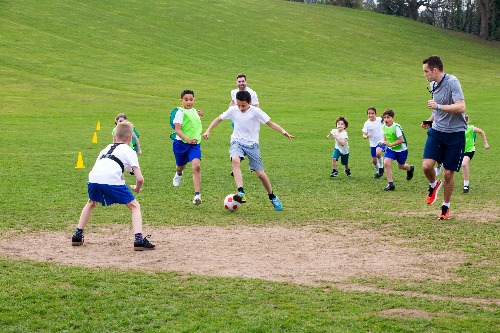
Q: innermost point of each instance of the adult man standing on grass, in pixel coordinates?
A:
(446, 139)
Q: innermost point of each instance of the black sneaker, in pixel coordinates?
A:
(77, 240)
(334, 173)
(409, 173)
(377, 175)
(143, 245)
(390, 187)
(466, 189)
(348, 172)
(381, 171)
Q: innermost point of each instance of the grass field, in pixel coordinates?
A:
(65, 65)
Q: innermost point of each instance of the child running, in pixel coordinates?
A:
(245, 142)
(341, 146)
(107, 186)
(395, 141)
(372, 130)
(186, 146)
(470, 149)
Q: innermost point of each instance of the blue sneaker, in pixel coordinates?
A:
(240, 197)
(277, 203)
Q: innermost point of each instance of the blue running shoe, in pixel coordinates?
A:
(277, 203)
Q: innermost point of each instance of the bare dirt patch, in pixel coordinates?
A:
(306, 255)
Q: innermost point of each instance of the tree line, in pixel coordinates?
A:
(477, 17)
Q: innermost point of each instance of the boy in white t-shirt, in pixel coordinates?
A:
(245, 142)
(372, 130)
(107, 185)
(341, 146)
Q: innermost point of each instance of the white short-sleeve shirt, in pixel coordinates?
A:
(253, 94)
(374, 129)
(341, 135)
(246, 124)
(107, 171)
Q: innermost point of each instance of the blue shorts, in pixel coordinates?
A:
(399, 156)
(184, 152)
(445, 147)
(110, 194)
(252, 151)
(373, 150)
(344, 158)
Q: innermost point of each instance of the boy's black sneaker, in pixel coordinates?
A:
(390, 187)
(77, 240)
(377, 175)
(334, 173)
(143, 244)
(409, 173)
(466, 189)
(348, 172)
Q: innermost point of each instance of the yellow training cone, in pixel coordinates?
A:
(79, 163)
(94, 139)
(98, 128)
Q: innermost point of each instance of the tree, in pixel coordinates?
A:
(486, 8)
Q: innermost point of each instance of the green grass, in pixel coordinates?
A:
(64, 65)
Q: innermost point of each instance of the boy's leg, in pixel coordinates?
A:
(334, 163)
(265, 181)
(86, 213)
(195, 164)
(135, 209)
(388, 169)
(238, 177)
(465, 169)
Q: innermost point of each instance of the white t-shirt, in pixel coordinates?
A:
(107, 171)
(341, 135)
(374, 129)
(246, 124)
(253, 94)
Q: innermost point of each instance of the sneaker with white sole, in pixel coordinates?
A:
(177, 179)
(197, 199)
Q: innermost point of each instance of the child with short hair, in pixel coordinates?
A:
(396, 149)
(134, 144)
(186, 146)
(372, 130)
(107, 186)
(245, 142)
(470, 149)
(341, 146)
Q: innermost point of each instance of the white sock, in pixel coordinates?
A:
(466, 183)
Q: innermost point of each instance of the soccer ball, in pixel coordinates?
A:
(230, 204)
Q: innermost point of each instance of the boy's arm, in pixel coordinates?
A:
(483, 135)
(214, 123)
(366, 135)
(341, 141)
(395, 143)
(137, 143)
(278, 128)
(139, 180)
(178, 131)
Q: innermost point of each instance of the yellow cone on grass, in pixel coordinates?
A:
(79, 162)
(98, 128)
(94, 139)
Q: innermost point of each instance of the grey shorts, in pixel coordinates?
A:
(252, 151)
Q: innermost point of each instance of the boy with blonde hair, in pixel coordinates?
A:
(107, 186)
